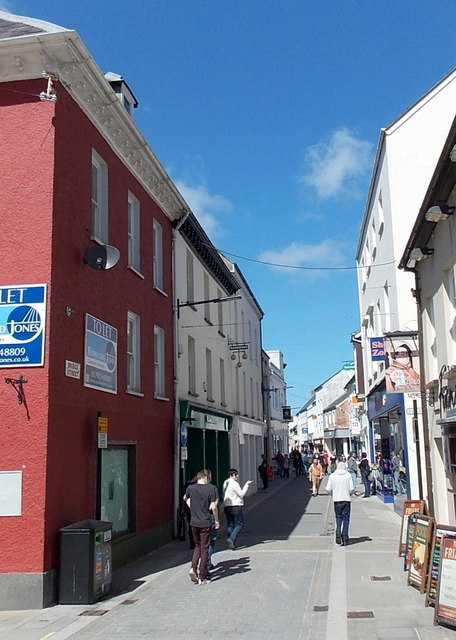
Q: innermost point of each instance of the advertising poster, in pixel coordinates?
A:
(445, 605)
(100, 355)
(410, 506)
(22, 325)
(402, 364)
(434, 562)
(420, 552)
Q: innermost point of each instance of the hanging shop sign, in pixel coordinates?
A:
(445, 604)
(420, 552)
(100, 355)
(377, 349)
(22, 325)
(434, 564)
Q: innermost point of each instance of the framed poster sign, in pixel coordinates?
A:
(420, 552)
(411, 522)
(410, 506)
(445, 604)
(434, 560)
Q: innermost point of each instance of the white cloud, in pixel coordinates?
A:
(328, 253)
(205, 206)
(335, 165)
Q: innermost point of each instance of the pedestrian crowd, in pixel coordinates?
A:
(200, 501)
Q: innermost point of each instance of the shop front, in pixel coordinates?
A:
(388, 441)
(207, 442)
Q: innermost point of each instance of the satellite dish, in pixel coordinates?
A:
(102, 256)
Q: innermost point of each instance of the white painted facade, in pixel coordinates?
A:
(325, 395)
(406, 157)
(276, 396)
(436, 290)
(218, 355)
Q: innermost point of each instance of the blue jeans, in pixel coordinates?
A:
(212, 541)
(234, 521)
(367, 484)
(342, 511)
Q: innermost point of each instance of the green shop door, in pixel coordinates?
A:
(208, 449)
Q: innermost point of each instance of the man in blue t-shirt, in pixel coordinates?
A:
(202, 498)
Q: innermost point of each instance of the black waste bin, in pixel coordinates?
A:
(85, 562)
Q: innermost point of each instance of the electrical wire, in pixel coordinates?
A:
(302, 268)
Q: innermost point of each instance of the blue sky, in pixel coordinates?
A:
(266, 114)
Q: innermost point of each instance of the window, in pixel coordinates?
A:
(207, 305)
(159, 362)
(191, 366)
(190, 278)
(99, 229)
(116, 492)
(209, 389)
(133, 232)
(158, 256)
(220, 313)
(222, 383)
(133, 351)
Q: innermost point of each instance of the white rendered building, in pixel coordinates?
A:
(407, 153)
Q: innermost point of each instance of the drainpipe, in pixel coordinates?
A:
(424, 413)
(176, 457)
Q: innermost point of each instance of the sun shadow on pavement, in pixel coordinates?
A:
(227, 568)
(360, 540)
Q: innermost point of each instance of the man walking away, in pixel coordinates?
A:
(233, 501)
(202, 499)
(340, 484)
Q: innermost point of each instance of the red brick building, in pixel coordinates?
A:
(78, 343)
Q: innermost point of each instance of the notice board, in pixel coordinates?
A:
(434, 561)
(410, 506)
(420, 552)
(445, 604)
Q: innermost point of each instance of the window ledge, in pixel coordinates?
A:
(132, 392)
(221, 334)
(163, 293)
(211, 324)
(135, 271)
(210, 400)
(223, 404)
(193, 394)
(162, 398)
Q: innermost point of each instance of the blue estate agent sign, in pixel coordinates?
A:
(22, 325)
(100, 355)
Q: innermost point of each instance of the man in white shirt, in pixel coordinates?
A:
(233, 501)
(340, 484)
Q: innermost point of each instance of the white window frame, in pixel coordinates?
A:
(99, 221)
(133, 352)
(206, 296)
(222, 382)
(191, 365)
(158, 256)
(190, 278)
(134, 212)
(159, 362)
(209, 384)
